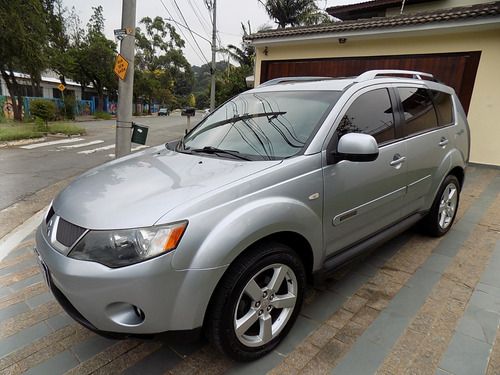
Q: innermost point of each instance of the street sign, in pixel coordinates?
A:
(121, 34)
(61, 87)
(121, 67)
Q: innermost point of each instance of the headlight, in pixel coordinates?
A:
(119, 248)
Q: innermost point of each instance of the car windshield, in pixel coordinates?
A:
(257, 126)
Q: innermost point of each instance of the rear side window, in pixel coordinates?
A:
(371, 113)
(419, 112)
(444, 106)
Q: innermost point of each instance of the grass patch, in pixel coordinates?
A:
(102, 116)
(14, 131)
(63, 128)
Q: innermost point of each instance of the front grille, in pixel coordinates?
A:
(68, 233)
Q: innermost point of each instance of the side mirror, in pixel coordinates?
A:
(356, 147)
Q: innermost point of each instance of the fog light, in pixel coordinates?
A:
(125, 314)
(139, 313)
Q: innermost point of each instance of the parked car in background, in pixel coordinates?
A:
(283, 184)
(163, 112)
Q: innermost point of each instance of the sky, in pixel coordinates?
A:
(230, 14)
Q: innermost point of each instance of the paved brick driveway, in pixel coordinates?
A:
(417, 305)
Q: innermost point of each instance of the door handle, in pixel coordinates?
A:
(443, 142)
(397, 160)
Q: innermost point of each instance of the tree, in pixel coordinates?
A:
(23, 44)
(191, 100)
(165, 72)
(234, 83)
(95, 57)
(60, 60)
(294, 12)
(244, 55)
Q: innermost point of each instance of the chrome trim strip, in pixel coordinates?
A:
(347, 215)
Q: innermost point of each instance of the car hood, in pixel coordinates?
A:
(139, 189)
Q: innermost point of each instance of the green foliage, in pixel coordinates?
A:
(294, 12)
(23, 44)
(102, 116)
(69, 106)
(162, 73)
(94, 56)
(203, 99)
(43, 109)
(231, 83)
(191, 101)
(15, 131)
(64, 128)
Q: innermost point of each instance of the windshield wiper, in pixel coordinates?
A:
(214, 151)
(243, 118)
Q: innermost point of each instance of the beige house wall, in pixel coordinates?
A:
(484, 111)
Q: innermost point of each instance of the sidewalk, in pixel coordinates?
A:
(417, 305)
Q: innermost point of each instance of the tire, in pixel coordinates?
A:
(444, 208)
(256, 302)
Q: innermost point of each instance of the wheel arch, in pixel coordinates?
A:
(298, 243)
(459, 173)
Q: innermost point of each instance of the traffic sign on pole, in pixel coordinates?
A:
(121, 67)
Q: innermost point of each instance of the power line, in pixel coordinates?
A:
(185, 22)
(197, 12)
(203, 57)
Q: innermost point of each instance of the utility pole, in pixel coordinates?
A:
(214, 44)
(126, 86)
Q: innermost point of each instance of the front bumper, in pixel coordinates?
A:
(137, 301)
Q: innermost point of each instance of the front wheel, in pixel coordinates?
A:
(256, 302)
(444, 209)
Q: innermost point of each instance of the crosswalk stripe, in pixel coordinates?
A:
(80, 145)
(86, 152)
(51, 143)
(132, 150)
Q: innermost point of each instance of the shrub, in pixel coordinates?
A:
(43, 109)
(102, 116)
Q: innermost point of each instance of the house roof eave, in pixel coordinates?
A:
(405, 31)
(445, 20)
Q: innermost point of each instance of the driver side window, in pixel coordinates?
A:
(371, 113)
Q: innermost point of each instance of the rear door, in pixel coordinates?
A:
(362, 198)
(428, 142)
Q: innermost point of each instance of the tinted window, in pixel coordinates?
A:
(418, 109)
(444, 106)
(371, 113)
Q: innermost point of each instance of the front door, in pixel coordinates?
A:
(362, 198)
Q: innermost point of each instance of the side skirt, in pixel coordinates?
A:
(345, 256)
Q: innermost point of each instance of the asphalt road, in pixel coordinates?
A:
(32, 174)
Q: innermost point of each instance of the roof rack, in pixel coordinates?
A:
(372, 74)
(276, 81)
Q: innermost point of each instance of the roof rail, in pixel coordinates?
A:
(276, 81)
(371, 74)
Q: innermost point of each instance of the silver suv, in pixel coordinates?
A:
(280, 185)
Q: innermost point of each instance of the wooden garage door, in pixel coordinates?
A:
(457, 70)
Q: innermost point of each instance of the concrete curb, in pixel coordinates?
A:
(14, 238)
